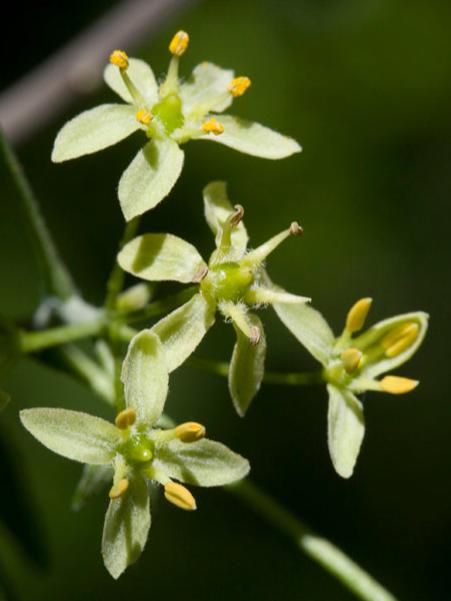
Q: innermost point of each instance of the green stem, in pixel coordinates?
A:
(330, 557)
(221, 368)
(56, 279)
(31, 342)
(116, 280)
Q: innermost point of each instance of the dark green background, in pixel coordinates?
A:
(365, 86)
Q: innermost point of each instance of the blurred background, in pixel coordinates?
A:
(365, 87)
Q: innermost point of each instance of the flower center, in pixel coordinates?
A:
(169, 112)
(137, 449)
(228, 282)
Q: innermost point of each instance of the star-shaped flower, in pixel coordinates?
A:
(169, 115)
(351, 366)
(138, 451)
(233, 281)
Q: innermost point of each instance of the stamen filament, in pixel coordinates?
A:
(259, 254)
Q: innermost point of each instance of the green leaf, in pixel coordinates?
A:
(126, 527)
(206, 90)
(150, 177)
(218, 209)
(203, 463)
(145, 377)
(183, 329)
(309, 327)
(161, 257)
(247, 367)
(94, 130)
(141, 76)
(345, 430)
(253, 138)
(73, 434)
(94, 478)
(374, 334)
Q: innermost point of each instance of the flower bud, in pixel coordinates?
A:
(357, 314)
(120, 59)
(190, 432)
(180, 496)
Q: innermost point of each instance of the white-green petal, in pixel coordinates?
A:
(161, 257)
(206, 90)
(126, 527)
(145, 377)
(203, 463)
(182, 330)
(309, 327)
(252, 138)
(247, 367)
(218, 209)
(94, 130)
(382, 328)
(141, 76)
(150, 177)
(345, 430)
(93, 479)
(73, 434)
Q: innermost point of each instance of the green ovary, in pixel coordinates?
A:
(169, 112)
(228, 282)
(137, 449)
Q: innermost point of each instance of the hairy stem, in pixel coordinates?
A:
(221, 368)
(56, 279)
(330, 557)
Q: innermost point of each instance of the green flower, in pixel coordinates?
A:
(351, 366)
(137, 451)
(169, 115)
(233, 280)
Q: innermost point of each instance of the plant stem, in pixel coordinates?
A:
(330, 557)
(161, 306)
(56, 279)
(116, 280)
(221, 368)
(31, 342)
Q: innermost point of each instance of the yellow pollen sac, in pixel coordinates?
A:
(238, 86)
(117, 490)
(351, 358)
(190, 431)
(179, 43)
(125, 418)
(357, 314)
(400, 339)
(212, 126)
(120, 59)
(397, 385)
(143, 116)
(180, 496)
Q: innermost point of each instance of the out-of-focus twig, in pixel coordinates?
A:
(76, 69)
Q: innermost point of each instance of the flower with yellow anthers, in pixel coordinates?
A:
(168, 114)
(232, 283)
(137, 451)
(352, 364)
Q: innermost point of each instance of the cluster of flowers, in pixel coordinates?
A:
(137, 449)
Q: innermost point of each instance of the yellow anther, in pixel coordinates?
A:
(190, 432)
(351, 358)
(125, 418)
(399, 339)
(357, 314)
(212, 126)
(179, 43)
(238, 86)
(179, 495)
(117, 490)
(143, 116)
(120, 59)
(397, 385)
